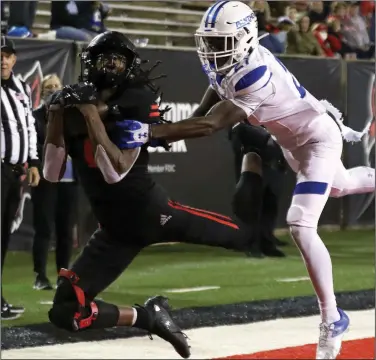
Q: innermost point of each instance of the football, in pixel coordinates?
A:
(74, 122)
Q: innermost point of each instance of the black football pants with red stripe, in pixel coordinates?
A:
(105, 256)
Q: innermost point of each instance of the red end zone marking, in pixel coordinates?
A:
(353, 349)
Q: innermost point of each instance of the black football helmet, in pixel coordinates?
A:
(109, 60)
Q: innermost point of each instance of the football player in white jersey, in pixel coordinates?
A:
(247, 83)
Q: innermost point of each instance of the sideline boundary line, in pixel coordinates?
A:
(189, 318)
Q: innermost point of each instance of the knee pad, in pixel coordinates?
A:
(295, 215)
(62, 315)
(71, 310)
(303, 216)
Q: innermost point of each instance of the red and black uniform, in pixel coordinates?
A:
(136, 211)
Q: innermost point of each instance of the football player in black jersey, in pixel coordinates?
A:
(85, 122)
(247, 138)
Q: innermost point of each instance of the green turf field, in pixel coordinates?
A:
(160, 268)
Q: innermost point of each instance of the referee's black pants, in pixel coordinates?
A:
(10, 200)
(54, 209)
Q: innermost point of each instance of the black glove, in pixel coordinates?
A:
(55, 99)
(76, 94)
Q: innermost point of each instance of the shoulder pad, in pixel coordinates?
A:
(249, 77)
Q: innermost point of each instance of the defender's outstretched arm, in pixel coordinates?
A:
(222, 115)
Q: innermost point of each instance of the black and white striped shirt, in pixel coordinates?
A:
(18, 135)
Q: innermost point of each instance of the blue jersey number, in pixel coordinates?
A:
(300, 88)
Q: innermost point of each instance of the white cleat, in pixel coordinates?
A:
(331, 335)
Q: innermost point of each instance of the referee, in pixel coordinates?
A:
(18, 147)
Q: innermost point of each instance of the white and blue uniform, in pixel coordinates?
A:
(258, 83)
(272, 97)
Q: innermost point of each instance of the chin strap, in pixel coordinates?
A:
(80, 321)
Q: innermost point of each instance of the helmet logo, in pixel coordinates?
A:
(243, 22)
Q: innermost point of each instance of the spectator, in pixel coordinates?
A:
(320, 31)
(22, 14)
(372, 29)
(4, 17)
(355, 33)
(20, 32)
(278, 8)
(78, 20)
(367, 8)
(52, 202)
(285, 24)
(262, 11)
(335, 40)
(302, 41)
(292, 13)
(341, 11)
(92, 15)
(65, 21)
(302, 8)
(318, 12)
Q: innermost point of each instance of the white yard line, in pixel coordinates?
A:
(192, 289)
(207, 343)
(48, 302)
(294, 279)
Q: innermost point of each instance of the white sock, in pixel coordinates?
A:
(134, 316)
(319, 266)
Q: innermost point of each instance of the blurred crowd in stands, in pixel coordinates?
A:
(320, 28)
(70, 20)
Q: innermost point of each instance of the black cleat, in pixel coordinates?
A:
(42, 283)
(163, 325)
(7, 314)
(14, 309)
(269, 248)
(254, 251)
